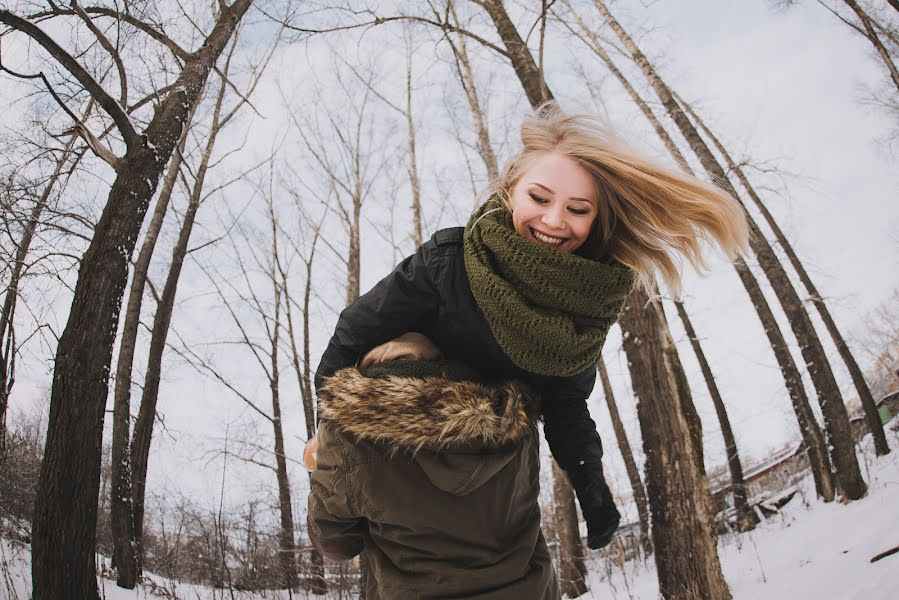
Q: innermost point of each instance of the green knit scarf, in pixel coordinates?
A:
(549, 311)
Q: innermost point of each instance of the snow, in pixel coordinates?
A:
(810, 551)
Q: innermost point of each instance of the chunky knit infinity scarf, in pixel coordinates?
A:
(549, 311)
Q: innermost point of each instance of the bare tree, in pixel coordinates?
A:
(630, 465)
(811, 433)
(65, 509)
(858, 379)
(467, 79)
(746, 518)
(836, 419)
(143, 428)
(680, 504)
(572, 565)
(301, 363)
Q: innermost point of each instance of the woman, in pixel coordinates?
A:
(531, 286)
(434, 472)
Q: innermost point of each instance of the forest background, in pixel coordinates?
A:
(322, 119)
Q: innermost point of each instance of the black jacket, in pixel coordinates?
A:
(428, 292)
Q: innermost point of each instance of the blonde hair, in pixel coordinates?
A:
(650, 216)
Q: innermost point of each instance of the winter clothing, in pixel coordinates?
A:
(549, 311)
(437, 478)
(429, 293)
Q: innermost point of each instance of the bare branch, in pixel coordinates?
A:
(107, 45)
(110, 105)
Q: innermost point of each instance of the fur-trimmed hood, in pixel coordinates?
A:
(459, 431)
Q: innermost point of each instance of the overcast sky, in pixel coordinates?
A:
(784, 89)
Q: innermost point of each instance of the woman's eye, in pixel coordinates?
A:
(538, 199)
(579, 211)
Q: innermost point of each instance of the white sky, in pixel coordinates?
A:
(782, 88)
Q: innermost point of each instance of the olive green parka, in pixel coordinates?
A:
(436, 477)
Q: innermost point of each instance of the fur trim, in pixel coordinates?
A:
(408, 414)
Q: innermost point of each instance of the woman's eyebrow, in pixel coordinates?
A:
(540, 185)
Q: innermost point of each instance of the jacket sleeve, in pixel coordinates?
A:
(335, 526)
(401, 302)
(569, 429)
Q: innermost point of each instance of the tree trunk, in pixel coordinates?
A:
(414, 183)
(65, 512)
(520, 56)
(315, 581)
(875, 41)
(353, 274)
(864, 392)
(286, 543)
(682, 530)
(595, 44)
(466, 77)
(809, 429)
(124, 547)
(572, 568)
(630, 465)
(746, 518)
(836, 418)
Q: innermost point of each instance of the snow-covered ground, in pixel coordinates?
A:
(810, 550)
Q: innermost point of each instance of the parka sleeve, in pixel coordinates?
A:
(401, 302)
(335, 526)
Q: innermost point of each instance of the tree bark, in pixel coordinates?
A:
(630, 465)
(836, 418)
(683, 534)
(124, 544)
(572, 568)
(858, 379)
(65, 512)
(519, 54)
(746, 518)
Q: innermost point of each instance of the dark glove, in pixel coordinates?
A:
(597, 505)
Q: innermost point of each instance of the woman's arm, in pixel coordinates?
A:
(401, 302)
(576, 446)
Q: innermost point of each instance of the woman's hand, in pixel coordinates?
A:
(597, 506)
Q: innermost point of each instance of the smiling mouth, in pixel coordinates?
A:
(546, 239)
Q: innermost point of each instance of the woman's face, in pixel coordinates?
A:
(554, 202)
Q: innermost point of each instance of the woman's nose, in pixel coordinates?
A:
(553, 217)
